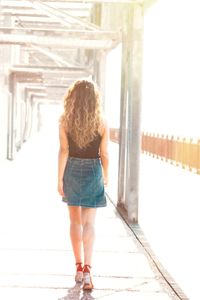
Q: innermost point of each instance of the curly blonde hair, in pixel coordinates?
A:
(82, 115)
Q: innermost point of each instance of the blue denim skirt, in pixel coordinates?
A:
(83, 183)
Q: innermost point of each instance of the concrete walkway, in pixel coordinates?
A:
(36, 260)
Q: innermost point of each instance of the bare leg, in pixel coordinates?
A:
(88, 221)
(76, 231)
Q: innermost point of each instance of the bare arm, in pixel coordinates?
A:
(104, 155)
(62, 157)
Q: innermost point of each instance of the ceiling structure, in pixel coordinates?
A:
(60, 40)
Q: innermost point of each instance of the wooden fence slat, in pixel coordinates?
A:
(178, 151)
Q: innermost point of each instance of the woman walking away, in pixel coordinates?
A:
(83, 169)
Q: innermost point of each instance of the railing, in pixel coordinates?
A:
(184, 152)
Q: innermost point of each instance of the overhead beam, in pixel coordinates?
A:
(38, 20)
(81, 2)
(17, 11)
(21, 12)
(60, 42)
(42, 70)
(57, 4)
(67, 33)
(50, 68)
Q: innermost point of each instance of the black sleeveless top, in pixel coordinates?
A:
(90, 151)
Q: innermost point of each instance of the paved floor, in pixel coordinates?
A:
(36, 260)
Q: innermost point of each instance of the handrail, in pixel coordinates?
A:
(179, 151)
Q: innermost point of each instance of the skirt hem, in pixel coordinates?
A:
(84, 205)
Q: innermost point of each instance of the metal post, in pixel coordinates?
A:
(11, 118)
(135, 21)
(123, 121)
(7, 100)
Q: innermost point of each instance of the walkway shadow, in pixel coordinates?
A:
(76, 293)
(73, 293)
(87, 296)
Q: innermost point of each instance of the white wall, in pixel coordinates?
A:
(170, 196)
(171, 72)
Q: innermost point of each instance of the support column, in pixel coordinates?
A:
(134, 106)
(5, 56)
(130, 113)
(123, 117)
(11, 149)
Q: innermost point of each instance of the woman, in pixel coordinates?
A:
(83, 169)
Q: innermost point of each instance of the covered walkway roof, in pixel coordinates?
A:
(69, 37)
